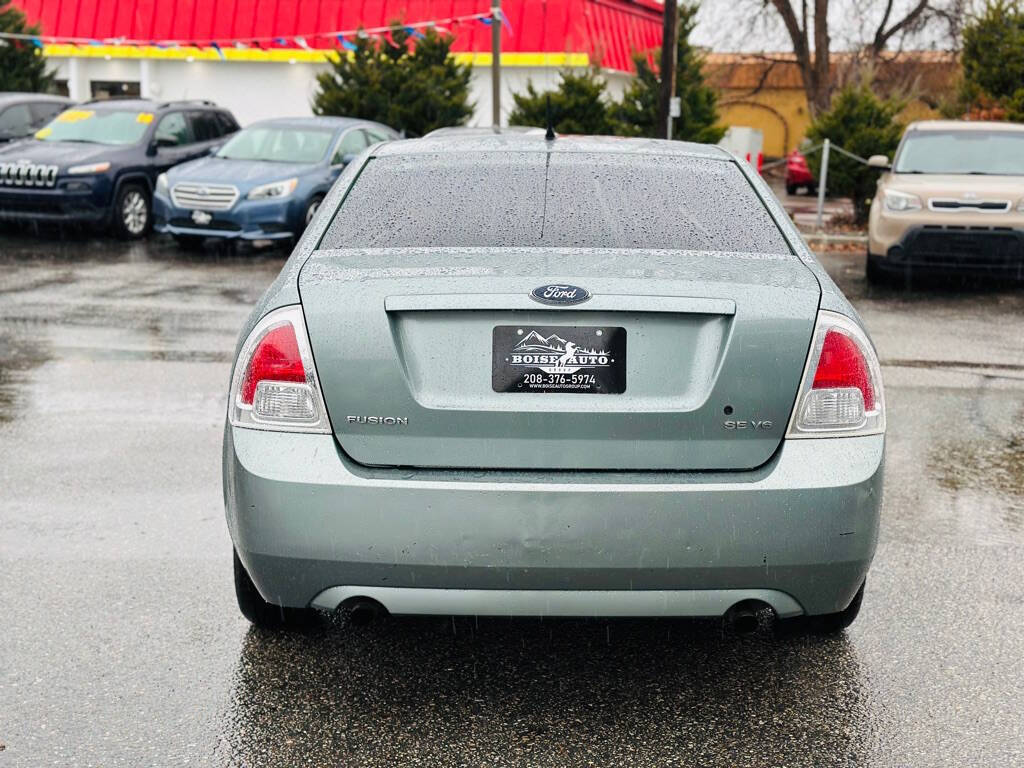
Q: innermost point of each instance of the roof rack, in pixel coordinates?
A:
(113, 98)
(203, 102)
(159, 105)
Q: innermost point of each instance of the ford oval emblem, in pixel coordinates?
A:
(560, 293)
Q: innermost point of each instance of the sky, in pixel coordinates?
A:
(744, 25)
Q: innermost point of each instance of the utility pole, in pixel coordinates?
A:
(496, 63)
(668, 68)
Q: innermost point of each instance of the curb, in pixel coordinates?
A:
(834, 238)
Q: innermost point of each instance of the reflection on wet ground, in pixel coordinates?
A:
(103, 299)
(17, 357)
(555, 693)
(122, 645)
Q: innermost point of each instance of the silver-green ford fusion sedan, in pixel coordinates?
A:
(508, 375)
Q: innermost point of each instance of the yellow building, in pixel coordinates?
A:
(765, 91)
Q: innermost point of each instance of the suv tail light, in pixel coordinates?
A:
(274, 385)
(841, 390)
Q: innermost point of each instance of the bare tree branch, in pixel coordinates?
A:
(865, 31)
(797, 34)
(883, 35)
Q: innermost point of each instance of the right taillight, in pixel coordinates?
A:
(841, 390)
(275, 384)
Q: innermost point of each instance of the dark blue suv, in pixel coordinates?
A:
(98, 162)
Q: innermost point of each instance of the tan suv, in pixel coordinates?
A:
(952, 201)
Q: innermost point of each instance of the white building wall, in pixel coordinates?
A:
(259, 90)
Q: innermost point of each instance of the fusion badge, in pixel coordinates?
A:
(387, 421)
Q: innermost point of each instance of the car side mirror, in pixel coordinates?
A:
(879, 161)
(214, 149)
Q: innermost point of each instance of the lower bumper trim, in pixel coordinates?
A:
(226, 234)
(54, 214)
(554, 602)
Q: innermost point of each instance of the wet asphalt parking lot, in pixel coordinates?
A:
(120, 643)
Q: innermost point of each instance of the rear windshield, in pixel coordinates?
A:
(558, 199)
(1000, 153)
(278, 145)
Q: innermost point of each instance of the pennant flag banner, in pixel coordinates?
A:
(414, 30)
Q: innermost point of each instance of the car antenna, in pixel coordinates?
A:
(549, 135)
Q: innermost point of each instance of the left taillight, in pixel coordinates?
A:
(274, 385)
(841, 390)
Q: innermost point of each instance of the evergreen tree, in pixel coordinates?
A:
(413, 86)
(637, 113)
(993, 54)
(578, 105)
(22, 67)
(859, 122)
(993, 64)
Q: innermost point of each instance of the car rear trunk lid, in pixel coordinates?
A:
(714, 348)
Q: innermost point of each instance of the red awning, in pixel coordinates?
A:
(610, 31)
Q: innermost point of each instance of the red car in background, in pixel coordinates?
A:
(798, 174)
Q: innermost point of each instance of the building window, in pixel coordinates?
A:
(60, 87)
(110, 89)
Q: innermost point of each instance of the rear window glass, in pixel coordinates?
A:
(561, 199)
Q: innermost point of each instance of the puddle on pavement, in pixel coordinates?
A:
(986, 479)
(994, 465)
(18, 356)
(50, 245)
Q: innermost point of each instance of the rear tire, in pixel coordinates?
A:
(791, 189)
(133, 212)
(263, 614)
(823, 624)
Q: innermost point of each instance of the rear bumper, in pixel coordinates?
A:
(799, 178)
(558, 602)
(313, 528)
